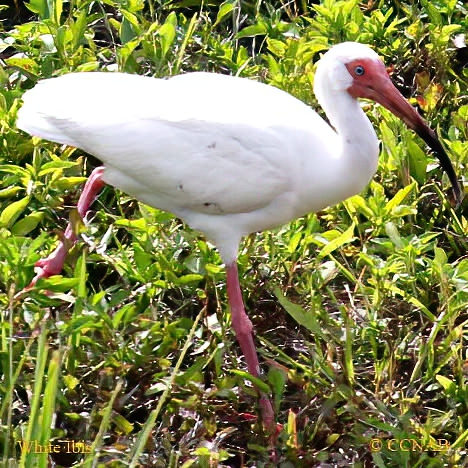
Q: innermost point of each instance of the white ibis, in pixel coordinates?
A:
(228, 155)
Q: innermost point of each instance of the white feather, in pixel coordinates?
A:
(229, 155)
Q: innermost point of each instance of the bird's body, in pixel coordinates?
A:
(228, 155)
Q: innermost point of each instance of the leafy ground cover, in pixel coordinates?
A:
(360, 310)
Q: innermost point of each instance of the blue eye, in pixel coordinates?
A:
(359, 70)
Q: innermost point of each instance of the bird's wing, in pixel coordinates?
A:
(200, 142)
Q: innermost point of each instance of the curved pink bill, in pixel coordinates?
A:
(375, 84)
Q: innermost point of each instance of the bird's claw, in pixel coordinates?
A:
(46, 267)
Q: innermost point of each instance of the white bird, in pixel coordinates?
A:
(228, 155)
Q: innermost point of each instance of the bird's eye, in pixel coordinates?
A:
(359, 70)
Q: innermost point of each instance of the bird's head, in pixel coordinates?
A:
(356, 69)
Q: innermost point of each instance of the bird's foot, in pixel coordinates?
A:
(53, 264)
(49, 266)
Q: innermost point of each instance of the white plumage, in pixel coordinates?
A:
(228, 155)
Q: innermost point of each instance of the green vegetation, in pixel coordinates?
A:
(360, 310)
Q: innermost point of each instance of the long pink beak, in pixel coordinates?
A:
(379, 87)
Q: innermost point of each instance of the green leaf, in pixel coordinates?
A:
(10, 192)
(58, 283)
(139, 224)
(434, 14)
(440, 257)
(358, 204)
(258, 29)
(277, 379)
(70, 381)
(24, 64)
(258, 383)
(40, 7)
(404, 210)
(57, 10)
(167, 33)
(224, 9)
(448, 385)
(49, 402)
(394, 235)
(13, 211)
(399, 197)
(301, 316)
(131, 18)
(276, 47)
(66, 183)
(82, 322)
(27, 224)
(15, 170)
(128, 27)
(339, 241)
(123, 425)
(81, 275)
(187, 279)
(47, 9)
(124, 315)
(78, 29)
(55, 165)
(417, 161)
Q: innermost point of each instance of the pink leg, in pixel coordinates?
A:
(53, 264)
(243, 329)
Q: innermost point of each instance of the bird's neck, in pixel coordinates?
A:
(359, 146)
